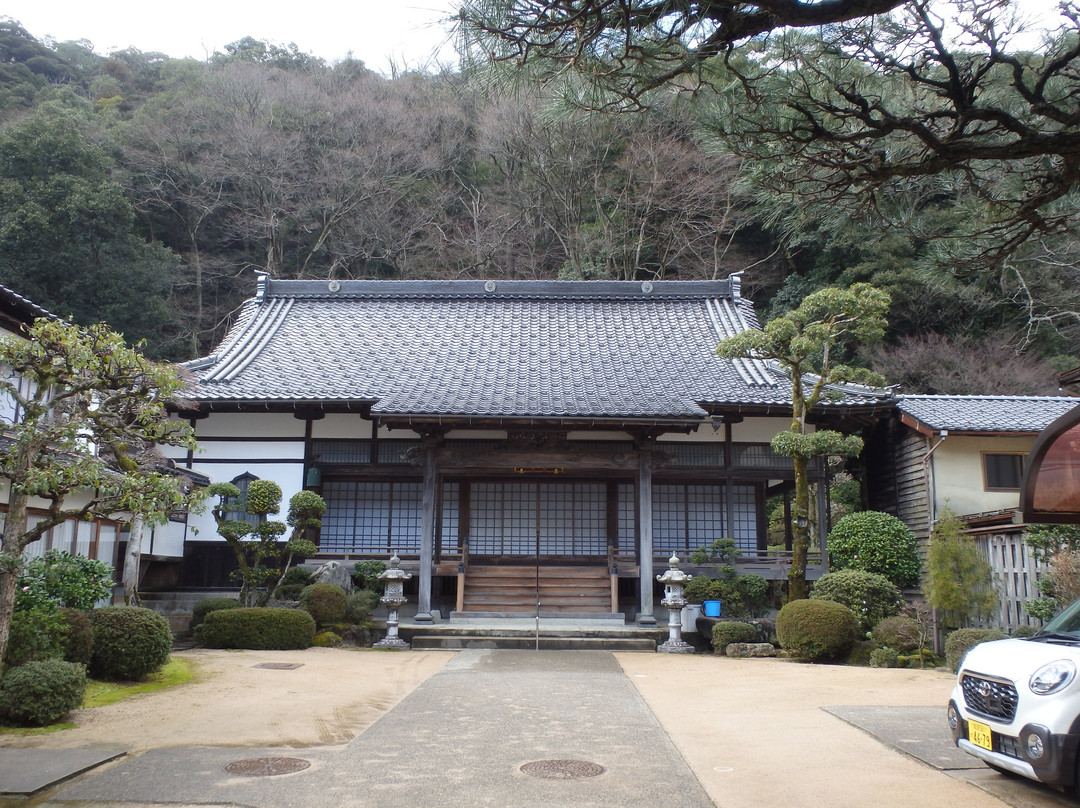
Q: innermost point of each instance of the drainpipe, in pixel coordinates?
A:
(928, 475)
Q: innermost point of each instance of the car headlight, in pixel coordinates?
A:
(1052, 677)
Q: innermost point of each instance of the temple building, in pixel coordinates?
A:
(515, 442)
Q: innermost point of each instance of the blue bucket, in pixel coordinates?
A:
(712, 608)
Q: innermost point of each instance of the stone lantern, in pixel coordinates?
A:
(393, 580)
(674, 581)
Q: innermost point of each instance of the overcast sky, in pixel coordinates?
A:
(410, 33)
(374, 31)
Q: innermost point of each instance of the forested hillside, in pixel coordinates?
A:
(144, 190)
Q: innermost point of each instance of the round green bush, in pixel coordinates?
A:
(1024, 631)
(816, 629)
(326, 639)
(729, 631)
(963, 640)
(130, 642)
(701, 588)
(296, 576)
(876, 542)
(40, 692)
(871, 597)
(35, 634)
(325, 602)
(359, 605)
(884, 658)
(79, 645)
(257, 628)
(898, 633)
(204, 607)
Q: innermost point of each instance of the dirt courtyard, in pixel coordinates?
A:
(752, 730)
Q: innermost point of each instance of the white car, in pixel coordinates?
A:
(1016, 703)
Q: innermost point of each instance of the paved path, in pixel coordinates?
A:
(460, 739)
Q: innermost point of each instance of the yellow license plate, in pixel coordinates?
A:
(980, 735)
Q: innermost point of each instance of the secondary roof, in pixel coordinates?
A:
(983, 414)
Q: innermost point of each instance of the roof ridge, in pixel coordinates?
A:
(494, 289)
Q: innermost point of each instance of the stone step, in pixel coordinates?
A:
(546, 643)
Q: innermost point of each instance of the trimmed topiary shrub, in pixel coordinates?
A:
(41, 691)
(871, 597)
(876, 542)
(730, 631)
(79, 645)
(204, 607)
(35, 634)
(359, 605)
(257, 628)
(324, 602)
(963, 640)
(130, 642)
(816, 629)
(898, 633)
(1024, 631)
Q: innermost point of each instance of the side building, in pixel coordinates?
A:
(514, 442)
(965, 455)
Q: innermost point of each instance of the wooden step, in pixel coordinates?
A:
(514, 588)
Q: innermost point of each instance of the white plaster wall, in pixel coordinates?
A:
(341, 425)
(703, 434)
(250, 425)
(959, 483)
(288, 475)
(250, 450)
(760, 429)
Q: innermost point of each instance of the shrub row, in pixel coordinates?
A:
(262, 628)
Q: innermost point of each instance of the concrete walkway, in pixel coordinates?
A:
(617, 731)
(460, 739)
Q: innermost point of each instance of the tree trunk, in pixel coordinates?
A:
(11, 564)
(132, 562)
(800, 543)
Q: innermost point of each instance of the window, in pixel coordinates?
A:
(363, 516)
(687, 516)
(1003, 472)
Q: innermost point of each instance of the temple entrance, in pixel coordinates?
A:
(538, 548)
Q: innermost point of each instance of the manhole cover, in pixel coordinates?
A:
(279, 666)
(263, 767)
(562, 769)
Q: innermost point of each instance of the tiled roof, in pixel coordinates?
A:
(506, 349)
(1026, 414)
(16, 309)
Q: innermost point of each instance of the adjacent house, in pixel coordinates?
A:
(97, 538)
(515, 442)
(965, 455)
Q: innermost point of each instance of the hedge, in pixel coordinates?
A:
(257, 628)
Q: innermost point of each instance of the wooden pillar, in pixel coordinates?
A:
(645, 534)
(427, 531)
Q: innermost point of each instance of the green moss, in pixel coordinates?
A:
(177, 671)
